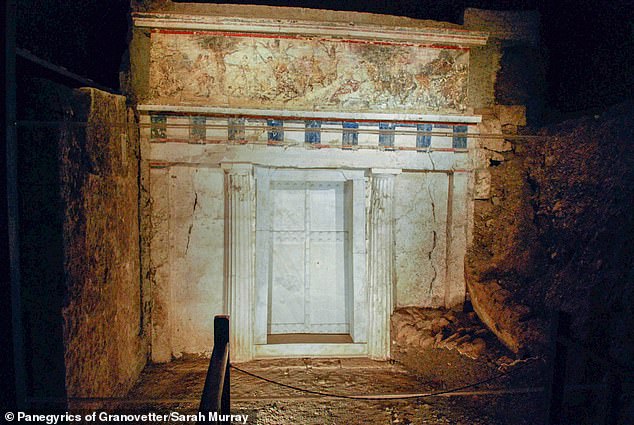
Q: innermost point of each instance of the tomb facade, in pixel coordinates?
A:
(305, 174)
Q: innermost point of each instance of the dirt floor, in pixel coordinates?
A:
(177, 386)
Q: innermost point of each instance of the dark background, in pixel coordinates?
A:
(589, 43)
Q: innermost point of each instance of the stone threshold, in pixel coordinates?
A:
(310, 350)
(309, 338)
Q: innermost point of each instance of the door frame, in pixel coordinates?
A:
(355, 199)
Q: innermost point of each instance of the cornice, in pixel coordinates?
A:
(183, 23)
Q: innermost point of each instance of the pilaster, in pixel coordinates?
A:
(380, 261)
(240, 257)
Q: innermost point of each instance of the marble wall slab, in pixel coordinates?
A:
(196, 227)
(420, 233)
(188, 250)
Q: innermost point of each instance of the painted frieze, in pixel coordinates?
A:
(295, 73)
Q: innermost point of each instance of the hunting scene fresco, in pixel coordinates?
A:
(306, 74)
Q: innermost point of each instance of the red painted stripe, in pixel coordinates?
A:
(299, 37)
(393, 43)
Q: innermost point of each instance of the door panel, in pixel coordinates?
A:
(287, 313)
(289, 199)
(327, 292)
(307, 268)
(326, 206)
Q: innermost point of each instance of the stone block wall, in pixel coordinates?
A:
(41, 235)
(85, 334)
(104, 333)
(510, 69)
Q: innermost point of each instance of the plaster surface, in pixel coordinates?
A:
(298, 157)
(160, 249)
(430, 234)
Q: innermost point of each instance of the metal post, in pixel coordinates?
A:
(225, 401)
(216, 392)
(560, 326)
(221, 338)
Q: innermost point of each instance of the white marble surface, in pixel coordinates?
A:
(380, 261)
(420, 231)
(189, 289)
(348, 116)
(310, 350)
(239, 272)
(301, 158)
(215, 244)
(295, 21)
(310, 222)
(196, 256)
(287, 312)
(455, 285)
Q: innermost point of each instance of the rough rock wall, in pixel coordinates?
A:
(556, 234)
(106, 346)
(507, 99)
(583, 194)
(552, 229)
(502, 220)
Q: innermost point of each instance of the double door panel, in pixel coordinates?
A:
(308, 292)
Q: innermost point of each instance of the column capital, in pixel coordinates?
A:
(385, 171)
(237, 167)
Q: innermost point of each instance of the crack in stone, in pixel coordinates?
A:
(433, 205)
(431, 159)
(191, 225)
(429, 254)
(434, 237)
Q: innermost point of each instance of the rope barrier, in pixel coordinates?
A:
(382, 396)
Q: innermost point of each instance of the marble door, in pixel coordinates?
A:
(308, 288)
